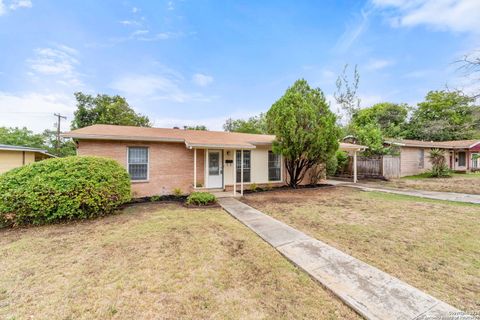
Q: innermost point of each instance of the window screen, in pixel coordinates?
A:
(138, 163)
(246, 165)
(274, 167)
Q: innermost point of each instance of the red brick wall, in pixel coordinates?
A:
(170, 164)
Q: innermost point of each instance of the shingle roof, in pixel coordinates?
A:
(192, 138)
(8, 147)
(457, 144)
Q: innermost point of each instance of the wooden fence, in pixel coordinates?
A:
(387, 167)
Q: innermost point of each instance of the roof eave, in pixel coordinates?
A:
(218, 146)
(119, 138)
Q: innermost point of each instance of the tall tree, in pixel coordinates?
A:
(391, 118)
(105, 109)
(21, 137)
(256, 124)
(305, 129)
(66, 147)
(200, 127)
(346, 94)
(46, 140)
(445, 115)
(470, 64)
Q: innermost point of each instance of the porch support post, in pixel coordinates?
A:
(194, 169)
(234, 173)
(206, 168)
(355, 166)
(241, 172)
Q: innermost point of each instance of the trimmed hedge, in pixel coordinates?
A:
(62, 189)
(201, 198)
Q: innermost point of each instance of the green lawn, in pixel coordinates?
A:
(152, 261)
(433, 245)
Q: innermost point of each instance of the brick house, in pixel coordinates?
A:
(160, 160)
(460, 155)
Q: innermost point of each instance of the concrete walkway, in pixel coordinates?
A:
(371, 292)
(447, 196)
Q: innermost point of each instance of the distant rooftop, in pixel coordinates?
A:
(8, 147)
(455, 144)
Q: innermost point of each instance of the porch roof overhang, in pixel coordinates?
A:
(351, 147)
(218, 146)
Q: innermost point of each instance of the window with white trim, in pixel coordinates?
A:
(274, 167)
(138, 163)
(246, 165)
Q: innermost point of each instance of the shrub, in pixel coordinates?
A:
(62, 189)
(201, 198)
(177, 192)
(440, 171)
(342, 161)
(331, 165)
(155, 198)
(253, 187)
(439, 166)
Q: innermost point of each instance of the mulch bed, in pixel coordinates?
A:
(165, 198)
(306, 186)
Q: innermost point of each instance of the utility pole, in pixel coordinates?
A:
(59, 117)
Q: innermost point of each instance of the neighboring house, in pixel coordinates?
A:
(460, 155)
(17, 156)
(160, 160)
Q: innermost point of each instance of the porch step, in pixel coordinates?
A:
(209, 189)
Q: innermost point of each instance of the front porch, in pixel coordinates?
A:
(229, 170)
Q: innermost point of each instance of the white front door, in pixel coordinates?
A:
(215, 169)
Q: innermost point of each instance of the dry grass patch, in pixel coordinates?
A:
(154, 261)
(433, 245)
(462, 183)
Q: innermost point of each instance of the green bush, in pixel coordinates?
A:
(331, 166)
(62, 189)
(177, 192)
(342, 161)
(201, 198)
(440, 171)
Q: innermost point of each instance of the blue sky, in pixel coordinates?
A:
(200, 62)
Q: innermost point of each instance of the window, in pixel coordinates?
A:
(214, 163)
(246, 165)
(421, 158)
(138, 163)
(274, 167)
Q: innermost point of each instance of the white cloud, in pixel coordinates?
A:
(202, 80)
(144, 35)
(170, 6)
(354, 30)
(135, 10)
(129, 22)
(377, 64)
(215, 123)
(59, 62)
(166, 86)
(449, 15)
(35, 110)
(3, 10)
(14, 5)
